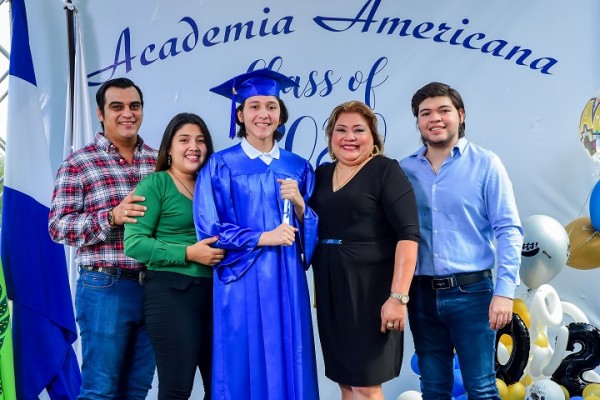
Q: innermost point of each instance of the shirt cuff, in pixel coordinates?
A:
(505, 288)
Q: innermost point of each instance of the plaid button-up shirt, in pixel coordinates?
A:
(89, 183)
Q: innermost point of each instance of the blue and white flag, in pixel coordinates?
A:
(34, 266)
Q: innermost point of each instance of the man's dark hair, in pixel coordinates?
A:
(438, 89)
(121, 83)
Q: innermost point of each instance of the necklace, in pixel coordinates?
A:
(182, 184)
(337, 185)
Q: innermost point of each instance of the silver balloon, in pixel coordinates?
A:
(545, 250)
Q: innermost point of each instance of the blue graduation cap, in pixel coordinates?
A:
(261, 82)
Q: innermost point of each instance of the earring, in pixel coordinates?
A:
(376, 151)
(169, 160)
(333, 157)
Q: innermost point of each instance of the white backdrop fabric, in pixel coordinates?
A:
(525, 71)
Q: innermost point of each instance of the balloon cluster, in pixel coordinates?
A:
(524, 354)
(583, 232)
(547, 366)
(527, 365)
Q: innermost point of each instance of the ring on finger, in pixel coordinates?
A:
(126, 211)
(390, 325)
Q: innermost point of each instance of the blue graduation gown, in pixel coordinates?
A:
(263, 339)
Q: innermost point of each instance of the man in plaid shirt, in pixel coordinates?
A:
(92, 200)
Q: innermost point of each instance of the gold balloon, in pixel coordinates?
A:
(565, 392)
(541, 340)
(502, 389)
(520, 308)
(516, 391)
(526, 380)
(585, 244)
(506, 340)
(593, 389)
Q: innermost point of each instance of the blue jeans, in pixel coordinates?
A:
(118, 360)
(448, 319)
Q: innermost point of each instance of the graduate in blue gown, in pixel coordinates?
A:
(263, 339)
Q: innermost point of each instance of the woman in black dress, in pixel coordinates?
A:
(365, 260)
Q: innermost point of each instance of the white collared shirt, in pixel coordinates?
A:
(253, 153)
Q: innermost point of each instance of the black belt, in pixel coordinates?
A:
(450, 281)
(354, 242)
(133, 274)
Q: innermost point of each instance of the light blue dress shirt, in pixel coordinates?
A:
(462, 209)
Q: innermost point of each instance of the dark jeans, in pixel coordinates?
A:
(178, 316)
(457, 318)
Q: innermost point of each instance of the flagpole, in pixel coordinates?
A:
(69, 8)
(69, 144)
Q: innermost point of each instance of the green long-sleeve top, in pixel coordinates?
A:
(160, 236)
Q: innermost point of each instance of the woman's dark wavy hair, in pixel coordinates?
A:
(438, 89)
(283, 117)
(172, 127)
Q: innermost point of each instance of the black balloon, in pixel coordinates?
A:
(569, 372)
(512, 371)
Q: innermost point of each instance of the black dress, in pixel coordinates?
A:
(370, 214)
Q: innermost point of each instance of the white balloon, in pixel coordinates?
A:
(591, 376)
(545, 389)
(540, 358)
(574, 312)
(503, 354)
(545, 310)
(545, 250)
(562, 338)
(410, 395)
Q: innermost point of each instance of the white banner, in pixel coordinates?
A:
(525, 70)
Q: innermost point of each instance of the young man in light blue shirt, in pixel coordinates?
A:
(465, 201)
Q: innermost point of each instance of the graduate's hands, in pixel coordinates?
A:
(289, 190)
(283, 235)
(201, 252)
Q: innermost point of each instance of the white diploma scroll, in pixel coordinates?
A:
(287, 209)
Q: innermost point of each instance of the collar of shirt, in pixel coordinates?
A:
(103, 143)
(458, 148)
(253, 153)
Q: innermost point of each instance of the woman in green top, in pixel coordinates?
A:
(178, 283)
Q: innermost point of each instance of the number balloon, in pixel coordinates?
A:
(512, 371)
(569, 372)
